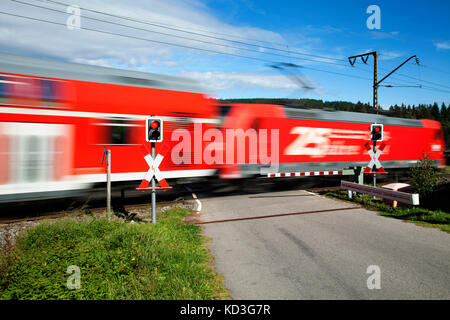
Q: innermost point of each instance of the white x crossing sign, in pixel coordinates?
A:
(374, 158)
(153, 169)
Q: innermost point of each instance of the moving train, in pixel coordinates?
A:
(57, 118)
(317, 140)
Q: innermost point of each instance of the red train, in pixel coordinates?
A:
(56, 119)
(316, 140)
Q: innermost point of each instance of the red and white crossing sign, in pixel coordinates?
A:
(374, 159)
(154, 169)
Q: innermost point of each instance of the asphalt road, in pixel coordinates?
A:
(324, 255)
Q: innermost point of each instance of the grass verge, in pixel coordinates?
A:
(420, 216)
(117, 260)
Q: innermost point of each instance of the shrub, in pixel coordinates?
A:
(423, 176)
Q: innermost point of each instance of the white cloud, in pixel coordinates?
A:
(326, 29)
(388, 55)
(18, 35)
(33, 38)
(445, 45)
(97, 62)
(383, 35)
(220, 81)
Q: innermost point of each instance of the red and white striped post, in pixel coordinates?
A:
(304, 174)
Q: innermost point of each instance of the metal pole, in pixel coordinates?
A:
(153, 190)
(414, 56)
(374, 175)
(375, 103)
(375, 80)
(108, 182)
(364, 57)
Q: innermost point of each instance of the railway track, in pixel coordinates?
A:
(95, 204)
(84, 211)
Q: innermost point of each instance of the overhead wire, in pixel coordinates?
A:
(217, 44)
(179, 29)
(168, 25)
(209, 50)
(434, 69)
(177, 36)
(395, 77)
(175, 44)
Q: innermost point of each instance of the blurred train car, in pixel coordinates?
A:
(56, 118)
(316, 140)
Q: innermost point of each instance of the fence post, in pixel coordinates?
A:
(357, 178)
(108, 183)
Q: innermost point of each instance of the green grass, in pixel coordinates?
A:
(446, 169)
(118, 260)
(420, 216)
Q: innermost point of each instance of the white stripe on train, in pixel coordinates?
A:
(64, 113)
(84, 181)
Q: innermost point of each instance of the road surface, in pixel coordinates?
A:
(322, 255)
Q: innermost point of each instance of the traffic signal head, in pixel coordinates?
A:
(154, 130)
(376, 132)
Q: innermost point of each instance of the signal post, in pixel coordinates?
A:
(153, 134)
(376, 134)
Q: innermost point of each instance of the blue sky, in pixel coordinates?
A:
(339, 27)
(333, 29)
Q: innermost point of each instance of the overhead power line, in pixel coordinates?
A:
(168, 25)
(197, 48)
(435, 69)
(435, 89)
(177, 36)
(205, 35)
(184, 30)
(412, 84)
(133, 37)
(399, 86)
(413, 78)
(173, 44)
(421, 80)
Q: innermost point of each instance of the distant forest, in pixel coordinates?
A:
(422, 111)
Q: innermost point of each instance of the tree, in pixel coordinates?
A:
(443, 114)
(435, 111)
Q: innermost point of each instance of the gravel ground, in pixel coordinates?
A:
(9, 232)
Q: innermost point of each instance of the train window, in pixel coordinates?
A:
(438, 134)
(2, 87)
(48, 90)
(119, 132)
(116, 132)
(31, 165)
(25, 88)
(138, 81)
(224, 110)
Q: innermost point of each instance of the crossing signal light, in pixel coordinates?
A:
(154, 130)
(376, 132)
